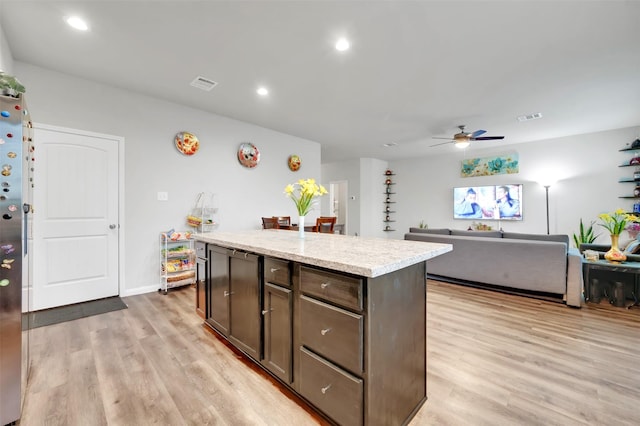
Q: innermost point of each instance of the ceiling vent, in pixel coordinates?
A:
(203, 83)
(530, 117)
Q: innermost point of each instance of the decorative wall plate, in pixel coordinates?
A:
(187, 143)
(294, 163)
(248, 155)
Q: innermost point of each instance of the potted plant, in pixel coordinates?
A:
(586, 235)
(10, 86)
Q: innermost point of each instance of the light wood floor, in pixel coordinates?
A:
(493, 359)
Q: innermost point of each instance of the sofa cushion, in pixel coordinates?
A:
(560, 238)
(442, 231)
(485, 234)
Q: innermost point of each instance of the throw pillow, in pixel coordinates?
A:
(633, 247)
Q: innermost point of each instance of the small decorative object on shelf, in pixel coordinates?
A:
(388, 182)
(10, 86)
(177, 260)
(634, 161)
(479, 226)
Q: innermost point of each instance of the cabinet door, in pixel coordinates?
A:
(218, 307)
(201, 278)
(278, 344)
(245, 315)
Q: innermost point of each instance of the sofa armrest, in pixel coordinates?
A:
(574, 278)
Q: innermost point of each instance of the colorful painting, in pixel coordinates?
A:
(487, 166)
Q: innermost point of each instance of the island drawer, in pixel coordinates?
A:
(277, 271)
(335, 288)
(331, 389)
(332, 332)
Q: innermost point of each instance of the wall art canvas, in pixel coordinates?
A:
(487, 166)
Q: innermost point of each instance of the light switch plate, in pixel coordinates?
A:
(163, 196)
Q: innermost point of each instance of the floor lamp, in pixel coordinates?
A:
(546, 189)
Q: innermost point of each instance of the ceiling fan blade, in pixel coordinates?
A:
(487, 138)
(435, 137)
(477, 133)
(443, 143)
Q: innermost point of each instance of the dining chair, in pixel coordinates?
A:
(284, 222)
(270, 223)
(325, 224)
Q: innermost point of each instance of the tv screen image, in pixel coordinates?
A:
(495, 202)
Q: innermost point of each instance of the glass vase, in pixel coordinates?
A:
(615, 255)
(301, 227)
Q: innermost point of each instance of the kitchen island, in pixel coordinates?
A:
(340, 320)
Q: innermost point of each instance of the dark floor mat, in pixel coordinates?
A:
(72, 312)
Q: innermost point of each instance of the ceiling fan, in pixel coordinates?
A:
(462, 139)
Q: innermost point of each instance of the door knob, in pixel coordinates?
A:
(112, 226)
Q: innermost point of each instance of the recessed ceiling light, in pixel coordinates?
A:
(389, 144)
(342, 45)
(262, 91)
(77, 23)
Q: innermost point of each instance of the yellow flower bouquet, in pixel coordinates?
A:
(615, 222)
(303, 193)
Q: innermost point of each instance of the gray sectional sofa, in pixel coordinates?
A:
(543, 265)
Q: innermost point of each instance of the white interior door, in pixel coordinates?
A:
(75, 219)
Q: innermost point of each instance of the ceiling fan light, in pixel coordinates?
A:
(461, 144)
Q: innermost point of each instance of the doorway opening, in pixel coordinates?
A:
(338, 191)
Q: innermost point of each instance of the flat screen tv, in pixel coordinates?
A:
(496, 202)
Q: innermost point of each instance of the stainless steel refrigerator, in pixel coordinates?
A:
(16, 161)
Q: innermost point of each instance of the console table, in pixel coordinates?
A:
(604, 265)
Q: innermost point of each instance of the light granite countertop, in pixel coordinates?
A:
(368, 257)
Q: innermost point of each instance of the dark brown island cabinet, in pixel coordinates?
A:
(352, 346)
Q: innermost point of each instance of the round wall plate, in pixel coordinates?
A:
(294, 162)
(248, 155)
(187, 143)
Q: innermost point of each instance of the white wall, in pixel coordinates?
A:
(586, 167)
(152, 163)
(372, 194)
(6, 59)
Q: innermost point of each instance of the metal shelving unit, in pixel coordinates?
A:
(178, 260)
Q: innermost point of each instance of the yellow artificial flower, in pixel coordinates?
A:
(307, 191)
(615, 222)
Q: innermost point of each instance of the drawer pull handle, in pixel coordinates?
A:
(266, 311)
(325, 331)
(274, 270)
(325, 389)
(324, 285)
(228, 293)
(234, 252)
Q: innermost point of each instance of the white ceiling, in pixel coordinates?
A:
(416, 69)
